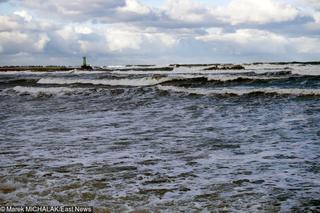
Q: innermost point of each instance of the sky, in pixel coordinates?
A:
(111, 32)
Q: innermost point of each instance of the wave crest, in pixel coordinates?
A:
(240, 92)
(110, 82)
(45, 91)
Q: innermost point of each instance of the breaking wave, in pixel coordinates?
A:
(45, 91)
(243, 79)
(186, 80)
(111, 82)
(224, 78)
(240, 92)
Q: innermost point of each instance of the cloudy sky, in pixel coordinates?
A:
(158, 31)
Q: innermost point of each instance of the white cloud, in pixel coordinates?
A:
(42, 41)
(75, 39)
(261, 41)
(112, 38)
(13, 37)
(313, 3)
(167, 40)
(16, 42)
(135, 7)
(8, 23)
(17, 23)
(72, 32)
(67, 33)
(24, 14)
(187, 10)
(312, 9)
(235, 12)
(173, 12)
(317, 17)
(83, 30)
(121, 39)
(250, 40)
(260, 12)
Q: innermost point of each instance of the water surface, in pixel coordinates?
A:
(187, 140)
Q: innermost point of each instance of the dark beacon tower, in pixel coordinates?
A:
(85, 66)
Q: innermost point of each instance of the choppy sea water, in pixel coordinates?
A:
(182, 141)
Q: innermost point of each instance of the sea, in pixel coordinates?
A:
(131, 139)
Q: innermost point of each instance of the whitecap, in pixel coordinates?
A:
(37, 91)
(111, 82)
(239, 92)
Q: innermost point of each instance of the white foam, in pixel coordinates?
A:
(36, 91)
(115, 66)
(180, 71)
(112, 82)
(294, 68)
(136, 72)
(307, 70)
(200, 91)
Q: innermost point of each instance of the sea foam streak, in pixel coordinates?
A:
(111, 82)
(239, 92)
